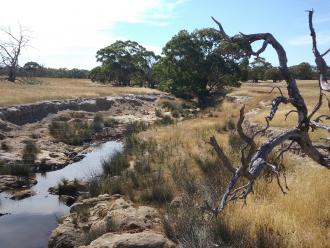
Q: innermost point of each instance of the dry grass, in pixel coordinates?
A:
(300, 218)
(58, 88)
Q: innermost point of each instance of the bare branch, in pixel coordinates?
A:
(221, 30)
(320, 62)
(225, 160)
(325, 53)
(275, 103)
(279, 89)
(256, 159)
(291, 111)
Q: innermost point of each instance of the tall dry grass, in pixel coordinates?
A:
(301, 218)
(59, 88)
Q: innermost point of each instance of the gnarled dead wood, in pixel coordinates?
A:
(256, 158)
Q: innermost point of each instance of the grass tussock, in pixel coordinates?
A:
(175, 162)
(270, 218)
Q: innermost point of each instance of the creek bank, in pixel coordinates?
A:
(69, 191)
(53, 154)
(30, 113)
(8, 182)
(110, 221)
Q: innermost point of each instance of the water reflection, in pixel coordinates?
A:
(36, 216)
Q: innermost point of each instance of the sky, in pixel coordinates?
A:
(67, 33)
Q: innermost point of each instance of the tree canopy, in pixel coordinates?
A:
(196, 65)
(124, 62)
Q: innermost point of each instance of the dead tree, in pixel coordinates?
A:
(253, 158)
(10, 49)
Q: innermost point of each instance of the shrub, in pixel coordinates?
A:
(16, 169)
(166, 120)
(235, 142)
(30, 152)
(95, 186)
(111, 122)
(158, 113)
(115, 164)
(74, 133)
(135, 127)
(98, 122)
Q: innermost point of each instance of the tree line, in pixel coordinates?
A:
(198, 64)
(33, 69)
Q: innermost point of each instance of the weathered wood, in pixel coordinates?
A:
(257, 158)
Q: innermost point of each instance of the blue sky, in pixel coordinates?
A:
(68, 33)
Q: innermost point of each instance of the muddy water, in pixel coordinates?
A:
(32, 219)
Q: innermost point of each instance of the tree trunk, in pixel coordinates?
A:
(12, 74)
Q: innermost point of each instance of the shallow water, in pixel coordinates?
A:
(32, 219)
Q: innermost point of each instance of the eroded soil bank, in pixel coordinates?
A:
(25, 122)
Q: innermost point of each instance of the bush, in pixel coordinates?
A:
(74, 133)
(16, 169)
(111, 122)
(135, 127)
(166, 120)
(98, 122)
(30, 152)
(158, 113)
(114, 165)
(235, 142)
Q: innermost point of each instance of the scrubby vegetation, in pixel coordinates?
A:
(30, 152)
(73, 133)
(179, 172)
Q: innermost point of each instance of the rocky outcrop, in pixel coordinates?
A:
(29, 113)
(21, 194)
(122, 223)
(8, 182)
(145, 239)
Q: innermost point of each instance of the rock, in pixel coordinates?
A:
(2, 136)
(19, 195)
(67, 199)
(78, 158)
(67, 236)
(29, 113)
(89, 219)
(8, 182)
(70, 188)
(145, 239)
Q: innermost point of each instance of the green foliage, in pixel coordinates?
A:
(235, 142)
(30, 152)
(135, 127)
(195, 65)
(98, 122)
(124, 62)
(17, 169)
(165, 120)
(115, 165)
(304, 71)
(273, 73)
(258, 69)
(111, 122)
(73, 133)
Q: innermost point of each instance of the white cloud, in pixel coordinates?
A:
(323, 38)
(67, 33)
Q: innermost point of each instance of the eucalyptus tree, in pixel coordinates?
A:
(124, 62)
(197, 65)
